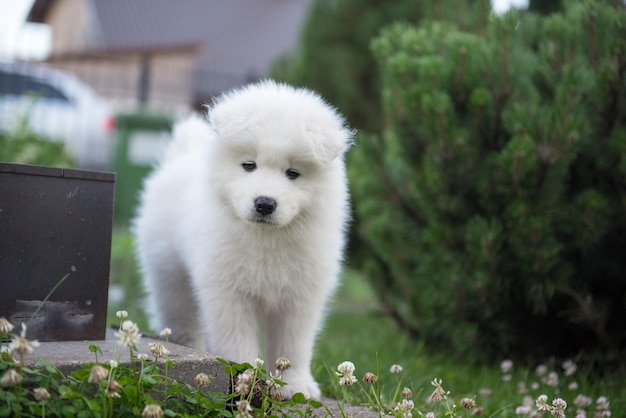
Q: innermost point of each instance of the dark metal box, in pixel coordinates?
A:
(55, 222)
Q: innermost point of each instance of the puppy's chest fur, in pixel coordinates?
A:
(274, 273)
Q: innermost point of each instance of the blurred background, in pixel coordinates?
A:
(487, 179)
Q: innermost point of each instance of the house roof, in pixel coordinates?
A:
(238, 37)
(39, 11)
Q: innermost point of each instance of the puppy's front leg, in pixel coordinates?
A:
(232, 328)
(291, 334)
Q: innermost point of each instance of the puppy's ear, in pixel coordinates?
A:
(227, 126)
(190, 133)
(328, 144)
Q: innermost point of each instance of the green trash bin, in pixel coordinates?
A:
(141, 139)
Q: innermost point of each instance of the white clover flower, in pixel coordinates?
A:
(129, 334)
(602, 407)
(243, 406)
(559, 403)
(258, 362)
(582, 401)
(11, 377)
(277, 395)
(5, 326)
(244, 382)
(521, 388)
(41, 394)
(22, 345)
(395, 369)
(602, 402)
(407, 404)
(242, 387)
(244, 409)
(142, 357)
(113, 363)
(468, 403)
(202, 380)
(282, 363)
(121, 314)
(541, 370)
(523, 410)
(558, 408)
(152, 411)
(569, 367)
(552, 379)
(345, 370)
(506, 366)
(347, 367)
(158, 350)
(485, 392)
(348, 380)
(112, 387)
(572, 386)
(405, 407)
(370, 378)
(165, 332)
(247, 376)
(542, 403)
(129, 326)
(439, 393)
(97, 374)
(275, 375)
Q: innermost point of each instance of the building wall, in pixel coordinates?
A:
(118, 78)
(72, 26)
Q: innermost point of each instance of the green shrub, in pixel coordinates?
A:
(21, 145)
(493, 206)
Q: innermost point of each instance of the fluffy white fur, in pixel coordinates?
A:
(228, 277)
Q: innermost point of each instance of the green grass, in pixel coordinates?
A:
(125, 276)
(371, 342)
(356, 330)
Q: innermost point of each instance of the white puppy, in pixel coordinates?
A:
(240, 230)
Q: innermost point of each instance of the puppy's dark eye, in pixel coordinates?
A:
(292, 174)
(249, 166)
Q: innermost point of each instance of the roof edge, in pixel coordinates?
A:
(108, 52)
(39, 11)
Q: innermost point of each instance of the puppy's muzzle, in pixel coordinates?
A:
(265, 206)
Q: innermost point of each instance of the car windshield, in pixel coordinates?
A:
(25, 85)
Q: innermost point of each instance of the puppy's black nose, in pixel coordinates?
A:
(264, 205)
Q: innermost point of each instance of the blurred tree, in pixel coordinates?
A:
(544, 6)
(334, 56)
(493, 207)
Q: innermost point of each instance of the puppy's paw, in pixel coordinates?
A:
(306, 386)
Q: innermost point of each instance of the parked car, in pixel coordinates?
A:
(60, 107)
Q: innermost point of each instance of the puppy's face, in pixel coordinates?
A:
(277, 153)
(268, 182)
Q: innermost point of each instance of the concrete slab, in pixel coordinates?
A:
(68, 356)
(72, 355)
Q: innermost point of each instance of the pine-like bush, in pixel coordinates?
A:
(493, 207)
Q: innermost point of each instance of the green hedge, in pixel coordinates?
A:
(493, 207)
